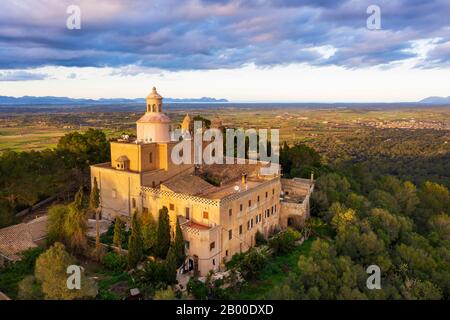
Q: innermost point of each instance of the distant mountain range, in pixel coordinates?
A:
(31, 100)
(61, 101)
(436, 100)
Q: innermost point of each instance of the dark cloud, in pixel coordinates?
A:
(211, 34)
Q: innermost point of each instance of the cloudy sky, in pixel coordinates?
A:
(255, 50)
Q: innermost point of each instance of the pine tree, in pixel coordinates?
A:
(163, 239)
(179, 245)
(135, 243)
(118, 231)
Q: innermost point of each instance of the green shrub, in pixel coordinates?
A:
(252, 262)
(11, 275)
(108, 237)
(30, 289)
(155, 274)
(164, 294)
(115, 262)
(284, 242)
(197, 288)
(259, 239)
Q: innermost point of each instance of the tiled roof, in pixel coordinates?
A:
(38, 228)
(188, 184)
(20, 237)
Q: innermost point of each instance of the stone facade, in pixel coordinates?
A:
(220, 207)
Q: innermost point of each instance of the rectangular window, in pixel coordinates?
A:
(266, 194)
(226, 253)
(230, 234)
(150, 157)
(212, 245)
(251, 224)
(230, 212)
(171, 206)
(187, 213)
(271, 210)
(240, 229)
(273, 191)
(205, 215)
(248, 225)
(133, 203)
(258, 198)
(214, 262)
(249, 203)
(240, 207)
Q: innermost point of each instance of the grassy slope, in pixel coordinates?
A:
(274, 273)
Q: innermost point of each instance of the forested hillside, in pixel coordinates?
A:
(371, 219)
(27, 177)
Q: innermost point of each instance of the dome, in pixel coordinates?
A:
(154, 94)
(154, 118)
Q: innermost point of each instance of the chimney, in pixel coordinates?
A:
(244, 182)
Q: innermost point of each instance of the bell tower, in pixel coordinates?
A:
(154, 125)
(154, 101)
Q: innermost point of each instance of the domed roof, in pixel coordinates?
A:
(150, 117)
(154, 94)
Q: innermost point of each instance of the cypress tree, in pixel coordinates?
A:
(149, 232)
(94, 203)
(171, 266)
(163, 239)
(79, 201)
(179, 245)
(118, 231)
(94, 199)
(135, 243)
